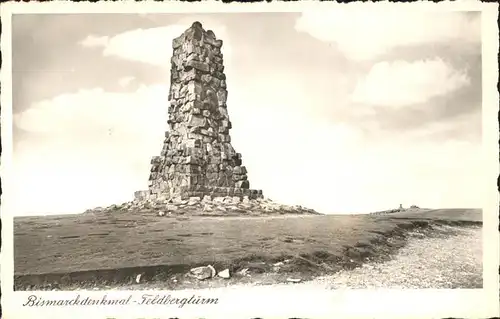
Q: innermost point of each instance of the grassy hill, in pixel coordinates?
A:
(91, 249)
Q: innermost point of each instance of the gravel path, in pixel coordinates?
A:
(439, 261)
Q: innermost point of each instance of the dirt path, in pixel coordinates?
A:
(428, 262)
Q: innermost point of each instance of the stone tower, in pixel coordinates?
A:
(197, 158)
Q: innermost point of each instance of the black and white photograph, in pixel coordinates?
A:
(329, 149)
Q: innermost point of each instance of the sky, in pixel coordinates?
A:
(340, 111)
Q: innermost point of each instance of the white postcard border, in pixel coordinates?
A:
(263, 301)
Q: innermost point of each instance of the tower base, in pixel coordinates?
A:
(199, 191)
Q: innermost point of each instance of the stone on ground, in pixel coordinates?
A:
(204, 272)
(224, 274)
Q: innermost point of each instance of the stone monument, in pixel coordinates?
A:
(197, 158)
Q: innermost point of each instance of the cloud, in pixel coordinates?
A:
(125, 81)
(296, 159)
(88, 111)
(92, 41)
(152, 45)
(365, 35)
(332, 167)
(462, 127)
(92, 147)
(401, 83)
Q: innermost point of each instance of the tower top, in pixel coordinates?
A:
(196, 34)
(197, 24)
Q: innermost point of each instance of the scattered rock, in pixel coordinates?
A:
(258, 267)
(224, 274)
(172, 207)
(236, 200)
(267, 209)
(174, 279)
(195, 205)
(218, 200)
(277, 266)
(294, 280)
(204, 272)
(177, 200)
(243, 272)
(212, 269)
(193, 201)
(232, 208)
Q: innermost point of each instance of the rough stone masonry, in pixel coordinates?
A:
(197, 158)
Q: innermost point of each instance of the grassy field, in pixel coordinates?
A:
(106, 248)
